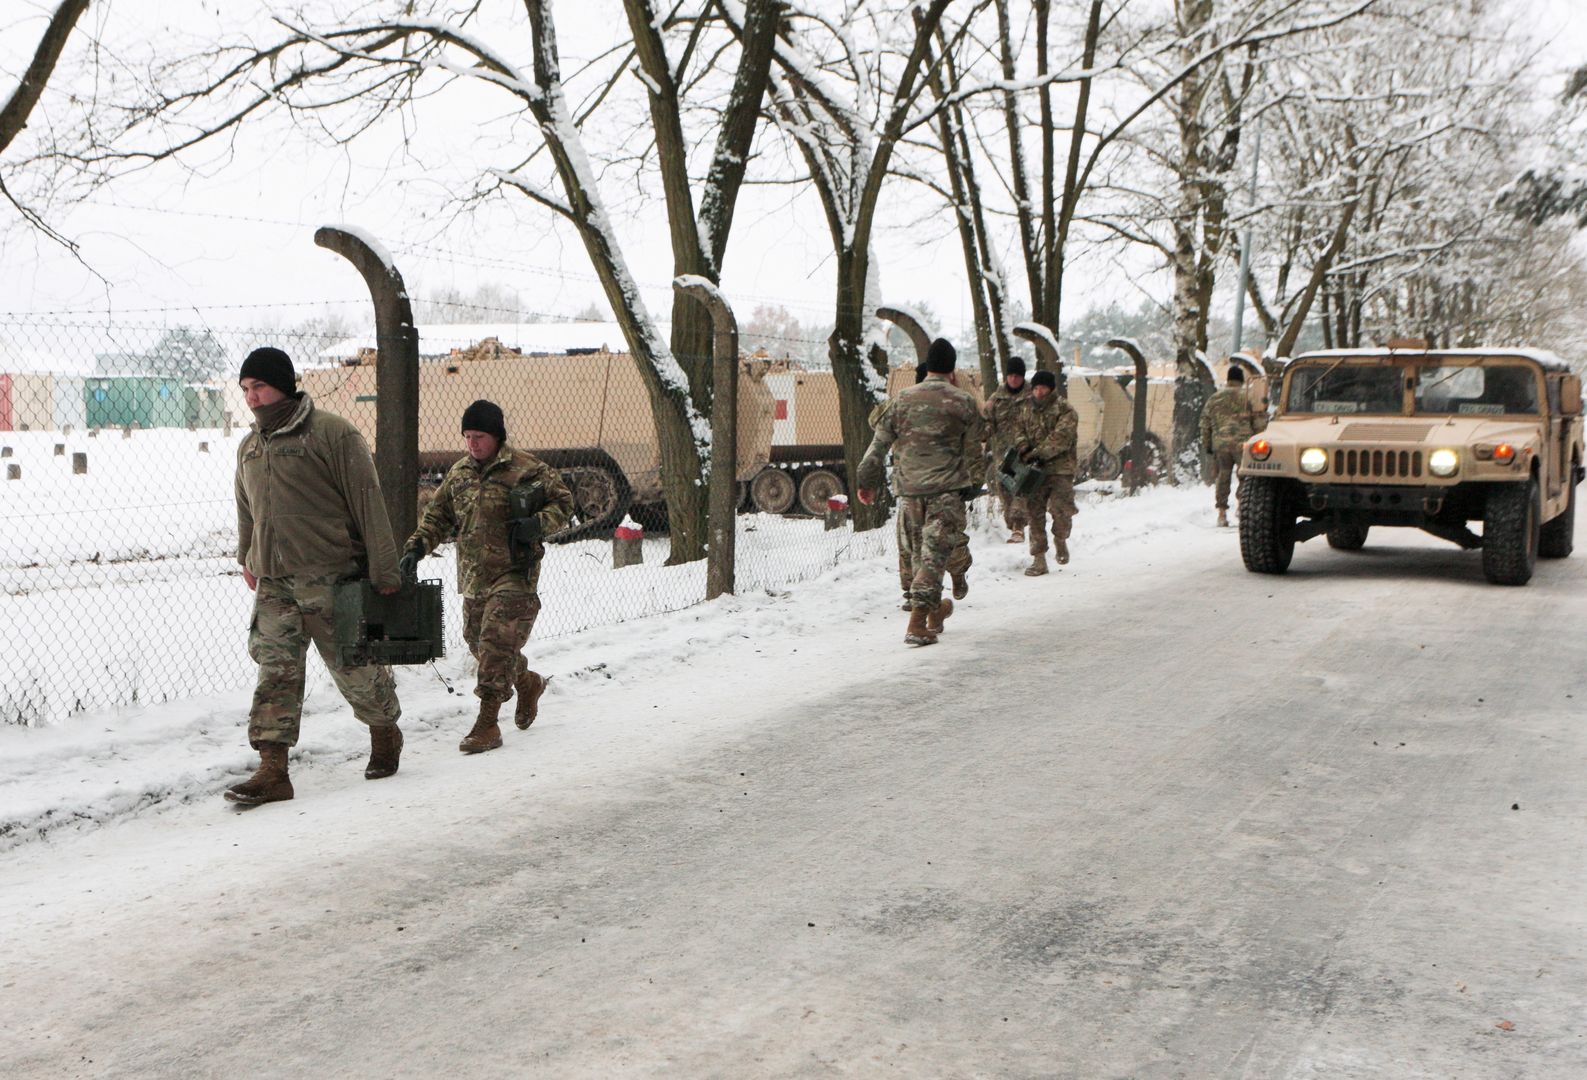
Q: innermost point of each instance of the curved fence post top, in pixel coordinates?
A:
(912, 324)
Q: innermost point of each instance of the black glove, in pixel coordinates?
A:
(408, 565)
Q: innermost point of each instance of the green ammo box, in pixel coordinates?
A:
(403, 628)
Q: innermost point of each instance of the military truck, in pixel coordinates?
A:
(1423, 438)
(585, 413)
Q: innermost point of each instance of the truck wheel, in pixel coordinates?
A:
(1556, 538)
(1267, 525)
(1348, 537)
(1105, 465)
(772, 491)
(816, 488)
(1510, 533)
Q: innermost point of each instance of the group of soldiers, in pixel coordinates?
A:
(310, 515)
(943, 445)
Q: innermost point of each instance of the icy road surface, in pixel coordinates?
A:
(1150, 816)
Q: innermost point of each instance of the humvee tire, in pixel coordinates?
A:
(1557, 537)
(1348, 537)
(1267, 525)
(1510, 533)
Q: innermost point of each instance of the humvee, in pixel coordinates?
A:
(1426, 438)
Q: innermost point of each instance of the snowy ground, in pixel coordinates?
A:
(1149, 816)
(119, 586)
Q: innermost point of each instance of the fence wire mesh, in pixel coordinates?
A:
(118, 576)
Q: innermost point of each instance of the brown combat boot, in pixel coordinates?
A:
(1016, 537)
(269, 783)
(1038, 565)
(961, 584)
(908, 604)
(1061, 551)
(918, 633)
(937, 614)
(385, 752)
(529, 687)
(1223, 519)
(485, 734)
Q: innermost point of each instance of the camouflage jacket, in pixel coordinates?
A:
(1000, 410)
(936, 433)
(1045, 433)
(308, 501)
(1228, 419)
(471, 506)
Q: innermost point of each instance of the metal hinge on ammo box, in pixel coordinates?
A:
(403, 628)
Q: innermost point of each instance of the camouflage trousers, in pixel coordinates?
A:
(958, 562)
(931, 536)
(1055, 496)
(288, 613)
(1226, 460)
(496, 627)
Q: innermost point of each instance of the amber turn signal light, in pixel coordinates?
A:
(1261, 449)
(1503, 454)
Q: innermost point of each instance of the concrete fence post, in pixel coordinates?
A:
(396, 372)
(722, 493)
(1135, 475)
(79, 463)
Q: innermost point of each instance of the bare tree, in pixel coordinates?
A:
(345, 74)
(18, 106)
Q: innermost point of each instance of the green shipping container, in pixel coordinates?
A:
(149, 401)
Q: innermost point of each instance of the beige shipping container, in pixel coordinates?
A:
(33, 401)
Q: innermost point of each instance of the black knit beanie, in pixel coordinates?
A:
(1236, 373)
(271, 367)
(942, 357)
(485, 416)
(1016, 366)
(1044, 378)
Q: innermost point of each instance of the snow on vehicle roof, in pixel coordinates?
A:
(1539, 356)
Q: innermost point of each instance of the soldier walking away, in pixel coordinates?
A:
(959, 562)
(309, 516)
(1000, 410)
(1226, 422)
(500, 504)
(1047, 426)
(935, 432)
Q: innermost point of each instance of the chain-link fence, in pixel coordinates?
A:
(118, 576)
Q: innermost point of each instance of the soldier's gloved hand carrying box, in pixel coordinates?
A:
(401, 628)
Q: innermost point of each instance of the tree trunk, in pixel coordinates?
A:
(858, 389)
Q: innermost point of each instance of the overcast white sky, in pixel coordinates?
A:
(207, 247)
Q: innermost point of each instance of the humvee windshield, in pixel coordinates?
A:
(1337, 387)
(1470, 390)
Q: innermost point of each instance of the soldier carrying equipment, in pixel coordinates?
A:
(1018, 478)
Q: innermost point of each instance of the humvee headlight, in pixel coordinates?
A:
(1503, 454)
(1313, 460)
(1261, 450)
(1443, 462)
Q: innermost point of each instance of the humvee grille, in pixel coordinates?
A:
(1378, 463)
(1363, 431)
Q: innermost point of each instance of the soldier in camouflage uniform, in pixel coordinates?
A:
(309, 516)
(936, 434)
(1226, 422)
(959, 562)
(498, 582)
(999, 411)
(1046, 427)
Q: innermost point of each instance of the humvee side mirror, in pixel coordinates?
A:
(1570, 395)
